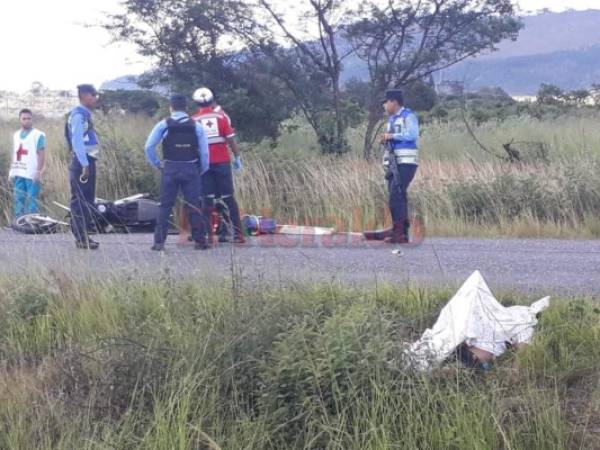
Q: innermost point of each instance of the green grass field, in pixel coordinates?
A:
(133, 364)
(459, 190)
(169, 363)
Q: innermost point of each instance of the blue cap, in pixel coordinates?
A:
(87, 89)
(394, 94)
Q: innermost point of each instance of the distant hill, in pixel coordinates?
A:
(553, 32)
(125, 83)
(559, 48)
(569, 69)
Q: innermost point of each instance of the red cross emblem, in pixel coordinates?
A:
(21, 152)
(209, 124)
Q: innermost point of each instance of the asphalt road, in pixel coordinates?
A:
(555, 267)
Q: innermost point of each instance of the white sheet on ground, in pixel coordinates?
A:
(474, 316)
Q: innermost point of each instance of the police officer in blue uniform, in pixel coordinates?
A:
(400, 140)
(83, 142)
(185, 159)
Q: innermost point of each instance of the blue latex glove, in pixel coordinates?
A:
(237, 163)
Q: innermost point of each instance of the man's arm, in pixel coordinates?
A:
(237, 163)
(202, 148)
(233, 146)
(154, 138)
(232, 143)
(411, 133)
(77, 123)
(229, 133)
(41, 157)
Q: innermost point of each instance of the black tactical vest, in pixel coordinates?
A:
(181, 142)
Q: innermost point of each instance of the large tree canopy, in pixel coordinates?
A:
(267, 59)
(194, 45)
(402, 41)
(303, 42)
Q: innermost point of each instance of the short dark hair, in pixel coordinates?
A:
(178, 102)
(25, 111)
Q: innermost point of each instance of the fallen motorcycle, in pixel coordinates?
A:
(135, 214)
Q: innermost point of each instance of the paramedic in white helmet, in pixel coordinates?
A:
(218, 181)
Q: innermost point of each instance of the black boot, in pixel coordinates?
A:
(398, 235)
(223, 229)
(234, 221)
(201, 245)
(406, 231)
(87, 244)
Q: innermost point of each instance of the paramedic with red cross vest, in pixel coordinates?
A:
(401, 141)
(185, 158)
(218, 181)
(27, 165)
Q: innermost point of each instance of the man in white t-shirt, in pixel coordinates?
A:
(27, 166)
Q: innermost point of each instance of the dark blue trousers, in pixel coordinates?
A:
(398, 194)
(184, 176)
(83, 198)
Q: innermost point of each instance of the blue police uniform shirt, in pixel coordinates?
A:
(404, 126)
(83, 140)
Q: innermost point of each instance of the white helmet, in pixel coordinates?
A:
(204, 96)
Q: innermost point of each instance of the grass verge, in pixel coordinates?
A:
(175, 364)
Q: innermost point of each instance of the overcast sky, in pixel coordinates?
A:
(45, 40)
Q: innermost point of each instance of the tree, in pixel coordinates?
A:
(136, 102)
(420, 95)
(495, 93)
(595, 93)
(302, 42)
(255, 48)
(193, 44)
(577, 97)
(550, 94)
(403, 41)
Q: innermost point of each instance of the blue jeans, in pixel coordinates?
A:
(182, 176)
(26, 192)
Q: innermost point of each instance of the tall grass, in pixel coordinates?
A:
(175, 364)
(459, 189)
